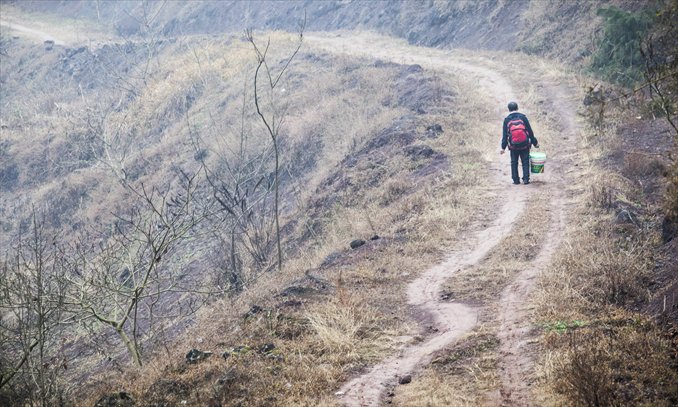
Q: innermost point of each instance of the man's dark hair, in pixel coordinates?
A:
(513, 106)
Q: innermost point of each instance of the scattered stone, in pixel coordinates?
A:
(238, 350)
(195, 355)
(375, 237)
(120, 399)
(419, 151)
(434, 130)
(254, 310)
(266, 348)
(625, 216)
(405, 379)
(357, 243)
(270, 351)
(49, 44)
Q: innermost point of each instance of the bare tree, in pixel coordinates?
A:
(661, 71)
(125, 280)
(271, 116)
(239, 181)
(31, 312)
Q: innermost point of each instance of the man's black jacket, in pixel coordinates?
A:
(530, 133)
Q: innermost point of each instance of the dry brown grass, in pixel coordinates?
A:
(620, 360)
(595, 350)
(360, 316)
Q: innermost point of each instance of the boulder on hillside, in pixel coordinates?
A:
(195, 355)
(405, 379)
(434, 130)
(357, 243)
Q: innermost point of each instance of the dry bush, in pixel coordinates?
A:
(670, 223)
(593, 269)
(595, 352)
(612, 361)
(639, 164)
(338, 324)
(393, 190)
(616, 362)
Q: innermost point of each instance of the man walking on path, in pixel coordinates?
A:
(519, 137)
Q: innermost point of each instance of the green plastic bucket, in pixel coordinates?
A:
(537, 161)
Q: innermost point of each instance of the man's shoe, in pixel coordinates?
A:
(516, 182)
(526, 182)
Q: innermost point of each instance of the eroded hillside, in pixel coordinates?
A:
(142, 179)
(362, 141)
(565, 30)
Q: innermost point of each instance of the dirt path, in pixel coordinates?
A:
(63, 31)
(514, 331)
(450, 321)
(31, 33)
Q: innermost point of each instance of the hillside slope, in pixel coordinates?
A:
(401, 280)
(564, 30)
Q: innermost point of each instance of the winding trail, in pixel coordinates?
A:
(450, 320)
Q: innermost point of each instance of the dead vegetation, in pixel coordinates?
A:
(330, 311)
(360, 160)
(598, 346)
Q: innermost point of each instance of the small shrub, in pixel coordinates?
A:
(617, 362)
(638, 164)
(337, 324)
(618, 57)
(670, 224)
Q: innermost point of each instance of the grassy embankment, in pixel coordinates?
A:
(416, 204)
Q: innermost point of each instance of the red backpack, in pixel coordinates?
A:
(517, 134)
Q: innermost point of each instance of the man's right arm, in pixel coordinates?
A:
(530, 133)
(504, 135)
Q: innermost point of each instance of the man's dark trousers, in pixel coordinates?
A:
(525, 160)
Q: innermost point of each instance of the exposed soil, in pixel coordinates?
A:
(30, 32)
(443, 323)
